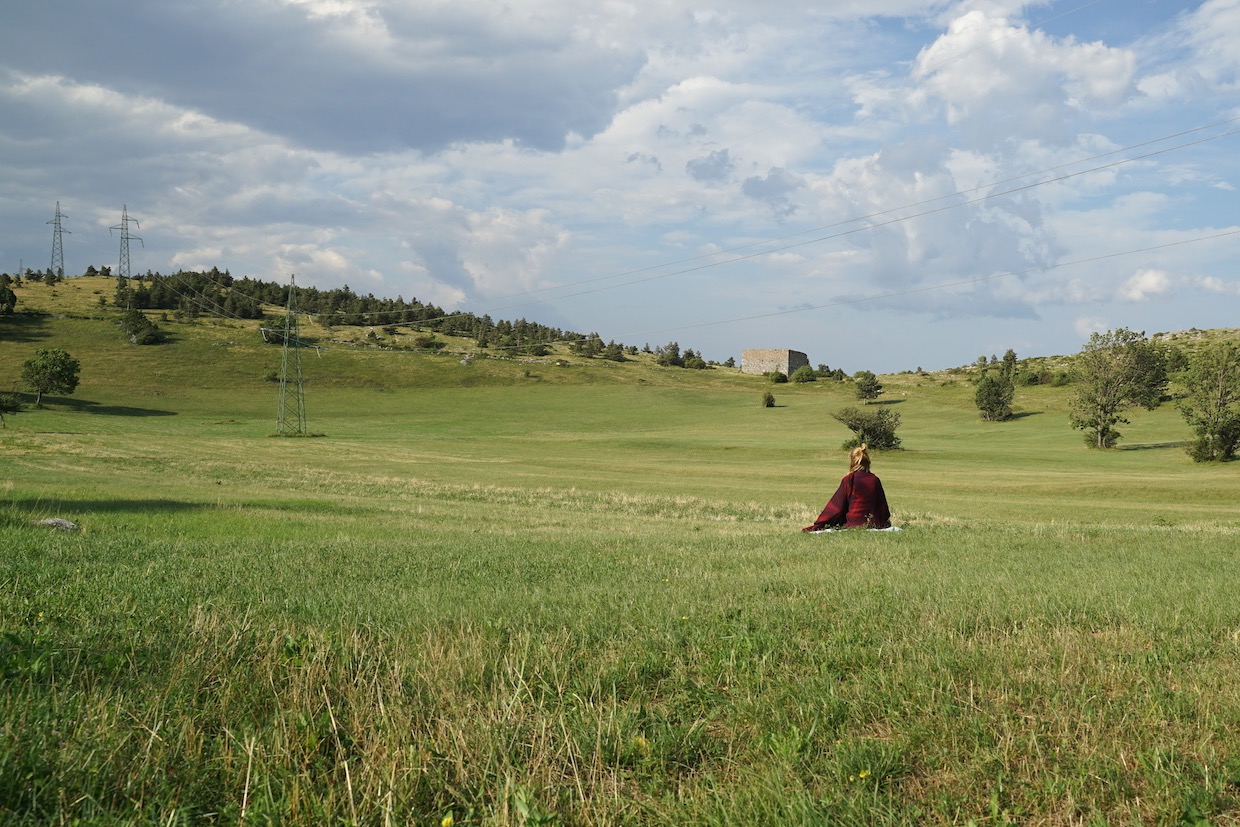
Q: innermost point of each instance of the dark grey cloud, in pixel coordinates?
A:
(775, 189)
(270, 67)
(717, 166)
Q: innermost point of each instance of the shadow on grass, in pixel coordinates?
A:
(23, 509)
(1151, 446)
(24, 327)
(87, 406)
(1024, 414)
(128, 506)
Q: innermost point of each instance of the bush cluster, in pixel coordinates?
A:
(875, 427)
(139, 329)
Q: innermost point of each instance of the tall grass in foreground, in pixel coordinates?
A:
(474, 653)
(578, 595)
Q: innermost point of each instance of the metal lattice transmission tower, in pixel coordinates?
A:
(291, 419)
(123, 263)
(58, 246)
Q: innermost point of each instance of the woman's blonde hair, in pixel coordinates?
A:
(859, 457)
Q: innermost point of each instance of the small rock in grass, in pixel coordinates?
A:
(58, 523)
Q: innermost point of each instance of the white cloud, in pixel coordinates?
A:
(1213, 30)
(1143, 285)
(1213, 284)
(1000, 78)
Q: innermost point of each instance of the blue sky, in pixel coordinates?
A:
(883, 184)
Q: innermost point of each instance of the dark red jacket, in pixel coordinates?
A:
(859, 502)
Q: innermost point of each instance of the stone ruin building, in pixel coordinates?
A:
(766, 361)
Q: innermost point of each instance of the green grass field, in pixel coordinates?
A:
(523, 593)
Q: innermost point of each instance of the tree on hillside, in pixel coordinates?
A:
(994, 396)
(50, 370)
(1009, 364)
(123, 297)
(1114, 371)
(669, 356)
(8, 300)
(9, 404)
(868, 386)
(1213, 380)
(996, 389)
(876, 428)
(614, 352)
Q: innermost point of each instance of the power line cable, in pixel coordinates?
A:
(880, 224)
(713, 257)
(946, 285)
(714, 261)
(877, 214)
(916, 290)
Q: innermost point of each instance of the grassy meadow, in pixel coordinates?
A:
(530, 593)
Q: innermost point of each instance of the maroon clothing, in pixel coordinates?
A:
(859, 502)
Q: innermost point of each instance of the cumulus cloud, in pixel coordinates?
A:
(995, 78)
(716, 166)
(775, 189)
(1143, 285)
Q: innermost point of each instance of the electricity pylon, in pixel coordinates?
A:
(58, 247)
(291, 419)
(123, 265)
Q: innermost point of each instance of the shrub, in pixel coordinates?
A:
(10, 404)
(804, 374)
(768, 400)
(777, 377)
(427, 341)
(877, 428)
(139, 329)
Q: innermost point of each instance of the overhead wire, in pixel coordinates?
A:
(947, 285)
(914, 290)
(956, 56)
(712, 259)
(868, 216)
(881, 224)
(715, 262)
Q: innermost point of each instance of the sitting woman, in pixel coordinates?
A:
(859, 502)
